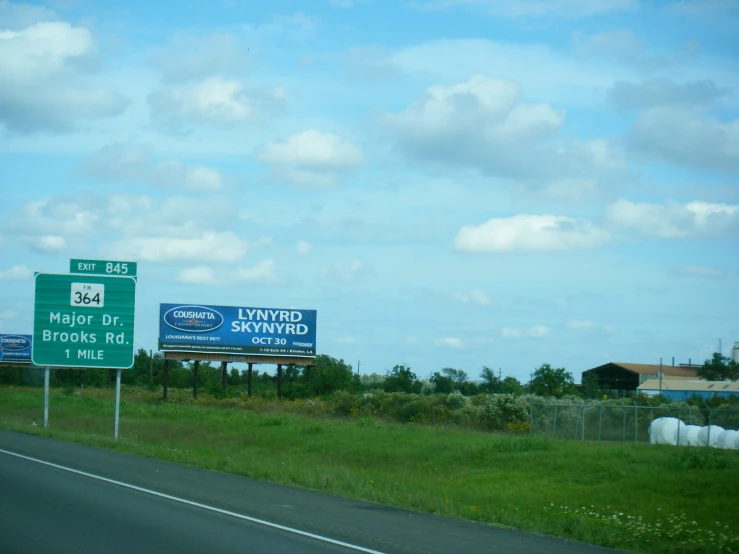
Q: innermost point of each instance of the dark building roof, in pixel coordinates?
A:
(650, 369)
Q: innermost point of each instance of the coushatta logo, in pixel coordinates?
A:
(14, 343)
(193, 319)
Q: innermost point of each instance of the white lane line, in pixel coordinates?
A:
(196, 504)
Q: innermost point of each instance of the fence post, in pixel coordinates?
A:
(554, 422)
(583, 423)
(531, 419)
(600, 421)
(577, 420)
(623, 425)
(710, 412)
(636, 423)
(679, 422)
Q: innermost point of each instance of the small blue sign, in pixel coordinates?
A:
(15, 348)
(235, 330)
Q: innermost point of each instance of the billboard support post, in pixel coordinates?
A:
(248, 380)
(224, 368)
(164, 379)
(195, 380)
(46, 397)
(279, 380)
(117, 401)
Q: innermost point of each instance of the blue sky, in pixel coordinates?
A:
(450, 183)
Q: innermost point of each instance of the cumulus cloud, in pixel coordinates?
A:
(535, 332)
(529, 233)
(40, 68)
(685, 137)
(265, 272)
(14, 17)
(198, 275)
(473, 297)
(484, 124)
(216, 101)
(346, 340)
(121, 162)
(664, 92)
(675, 220)
(570, 9)
(449, 342)
(16, 273)
(207, 246)
(311, 158)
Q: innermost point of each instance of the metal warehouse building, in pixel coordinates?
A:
(618, 379)
(682, 389)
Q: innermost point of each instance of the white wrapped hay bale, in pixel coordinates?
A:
(708, 436)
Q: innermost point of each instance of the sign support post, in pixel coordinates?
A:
(117, 400)
(46, 397)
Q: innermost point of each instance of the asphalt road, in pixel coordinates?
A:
(152, 508)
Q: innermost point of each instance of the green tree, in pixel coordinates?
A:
(511, 385)
(549, 381)
(591, 387)
(719, 368)
(442, 383)
(490, 381)
(329, 375)
(401, 379)
(458, 376)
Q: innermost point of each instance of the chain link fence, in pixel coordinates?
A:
(620, 423)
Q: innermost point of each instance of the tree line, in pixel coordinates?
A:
(329, 374)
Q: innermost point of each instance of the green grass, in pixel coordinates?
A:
(637, 497)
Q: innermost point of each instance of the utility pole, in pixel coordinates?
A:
(151, 366)
(500, 374)
(660, 376)
(720, 350)
(359, 363)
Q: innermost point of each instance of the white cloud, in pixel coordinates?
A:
(484, 124)
(311, 157)
(535, 332)
(474, 297)
(570, 9)
(46, 243)
(346, 340)
(663, 92)
(121, 162)
(16, 273)
(622, 44)
(41, 51)
(529, 233)
(198, 275)
(263, 273)
(685, 137)
(674, 220)
(206, 246)
(37, 66)
(303, 247)
(214, 101)
(449, 342)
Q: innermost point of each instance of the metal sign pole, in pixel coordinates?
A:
(117, 399)
(46, 397)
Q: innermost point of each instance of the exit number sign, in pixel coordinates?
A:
(103, 267)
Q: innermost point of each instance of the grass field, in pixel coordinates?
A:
(636, 497)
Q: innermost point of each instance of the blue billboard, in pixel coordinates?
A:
(235, 330)
(15, 348)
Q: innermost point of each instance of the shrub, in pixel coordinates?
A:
(503, 409)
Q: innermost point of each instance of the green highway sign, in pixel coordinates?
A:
(83, 321)
(103, 267)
